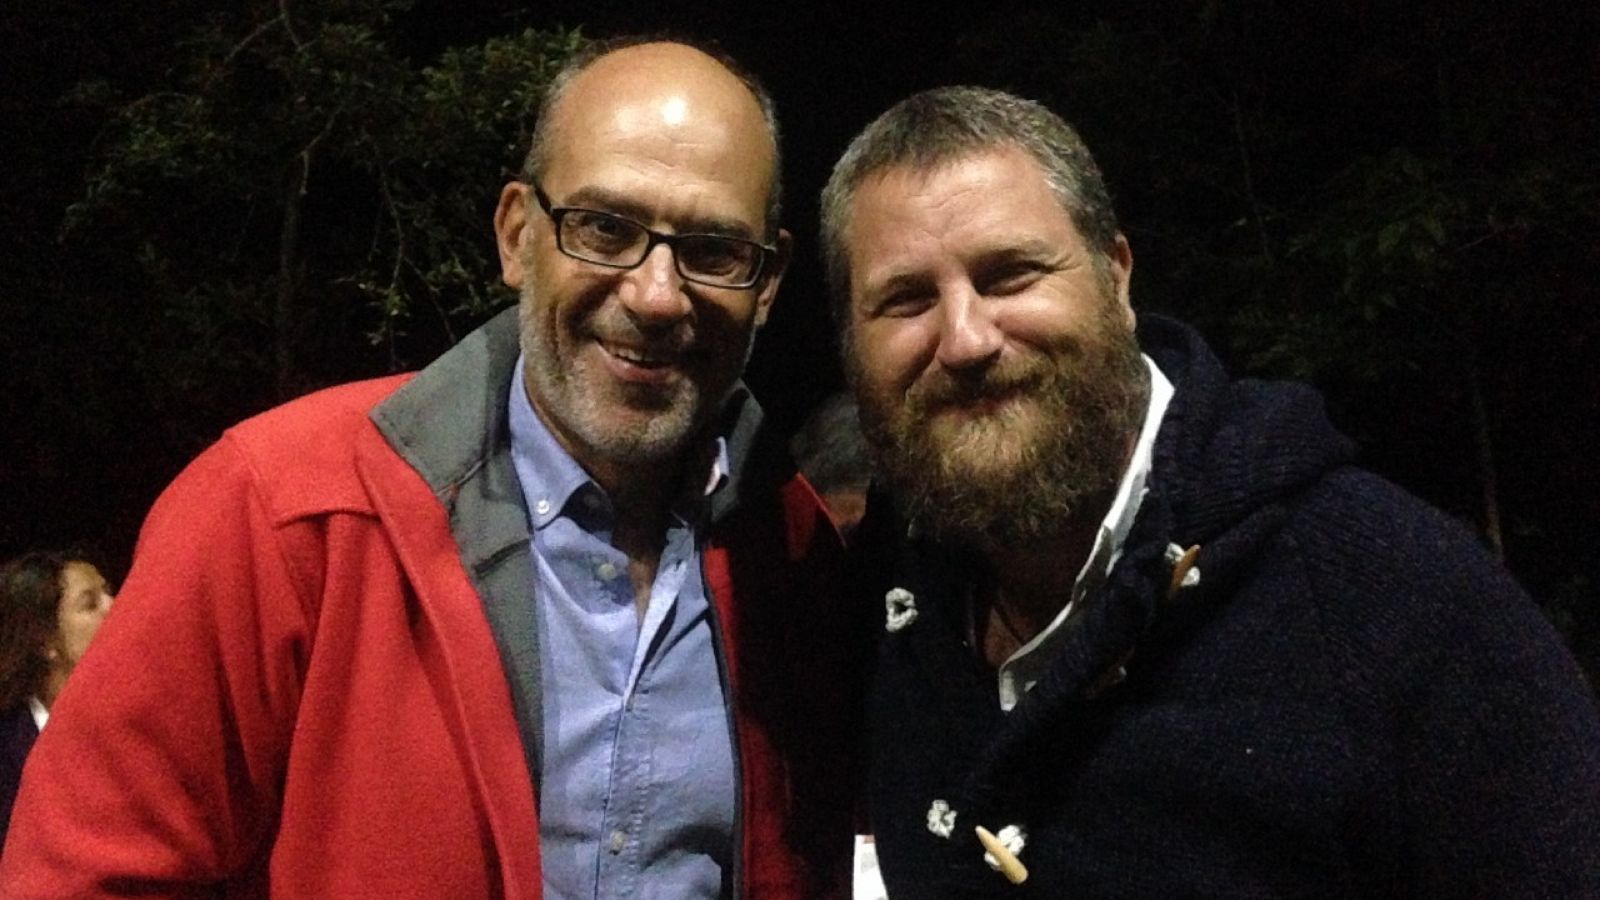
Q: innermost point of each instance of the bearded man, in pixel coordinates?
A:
(1148, 632)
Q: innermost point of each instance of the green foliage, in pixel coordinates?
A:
(301, 174)
(1398, 206)
(473, 108)
(1424, 255)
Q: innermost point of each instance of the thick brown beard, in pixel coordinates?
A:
(993, 485)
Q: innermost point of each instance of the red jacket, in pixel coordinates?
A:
(300, 694)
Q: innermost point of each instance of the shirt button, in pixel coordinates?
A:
(542, 507)
(606, 571)
(618, 841)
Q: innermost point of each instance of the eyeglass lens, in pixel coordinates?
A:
(612, 240)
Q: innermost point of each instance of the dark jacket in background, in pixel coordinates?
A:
(17, 734)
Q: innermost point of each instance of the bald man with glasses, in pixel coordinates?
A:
(553, 617)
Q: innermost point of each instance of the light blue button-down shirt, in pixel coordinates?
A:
(636, 792)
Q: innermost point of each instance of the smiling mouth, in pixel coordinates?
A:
(642, 357)
(978, 403)
(975, 408)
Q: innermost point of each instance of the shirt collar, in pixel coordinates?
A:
(1131, 492)
(41, 713)
(1023, 668)
(551, 479)
(719, 469)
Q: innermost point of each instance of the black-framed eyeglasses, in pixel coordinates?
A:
(607, 239)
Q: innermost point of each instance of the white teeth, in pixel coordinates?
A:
(637, 357)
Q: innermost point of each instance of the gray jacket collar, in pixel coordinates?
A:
(449, 423)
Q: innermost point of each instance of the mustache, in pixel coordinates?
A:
(674, 339)
(942, 389)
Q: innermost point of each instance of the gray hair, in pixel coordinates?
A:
(830, 447)
(539, 146)
(944, 125)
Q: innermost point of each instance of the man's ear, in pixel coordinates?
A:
(1121, 257)
(510, 219)
(773, 276)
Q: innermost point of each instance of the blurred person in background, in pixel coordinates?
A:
(51, 605)
(833, 455)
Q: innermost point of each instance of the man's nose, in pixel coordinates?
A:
(653, 291)
(968, 334)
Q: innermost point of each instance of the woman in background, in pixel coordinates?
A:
(51, 605)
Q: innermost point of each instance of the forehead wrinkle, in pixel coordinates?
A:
(596, 138)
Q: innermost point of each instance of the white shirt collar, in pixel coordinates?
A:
(1023, 669)
(41, 714)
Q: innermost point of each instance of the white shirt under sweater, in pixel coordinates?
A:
(1022, 670)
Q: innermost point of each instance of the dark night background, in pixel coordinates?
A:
(1397, 201)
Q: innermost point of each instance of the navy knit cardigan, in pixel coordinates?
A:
(1353, 700)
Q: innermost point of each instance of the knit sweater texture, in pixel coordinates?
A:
(1352, 700)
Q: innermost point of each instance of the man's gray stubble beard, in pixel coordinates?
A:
(663, 441)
